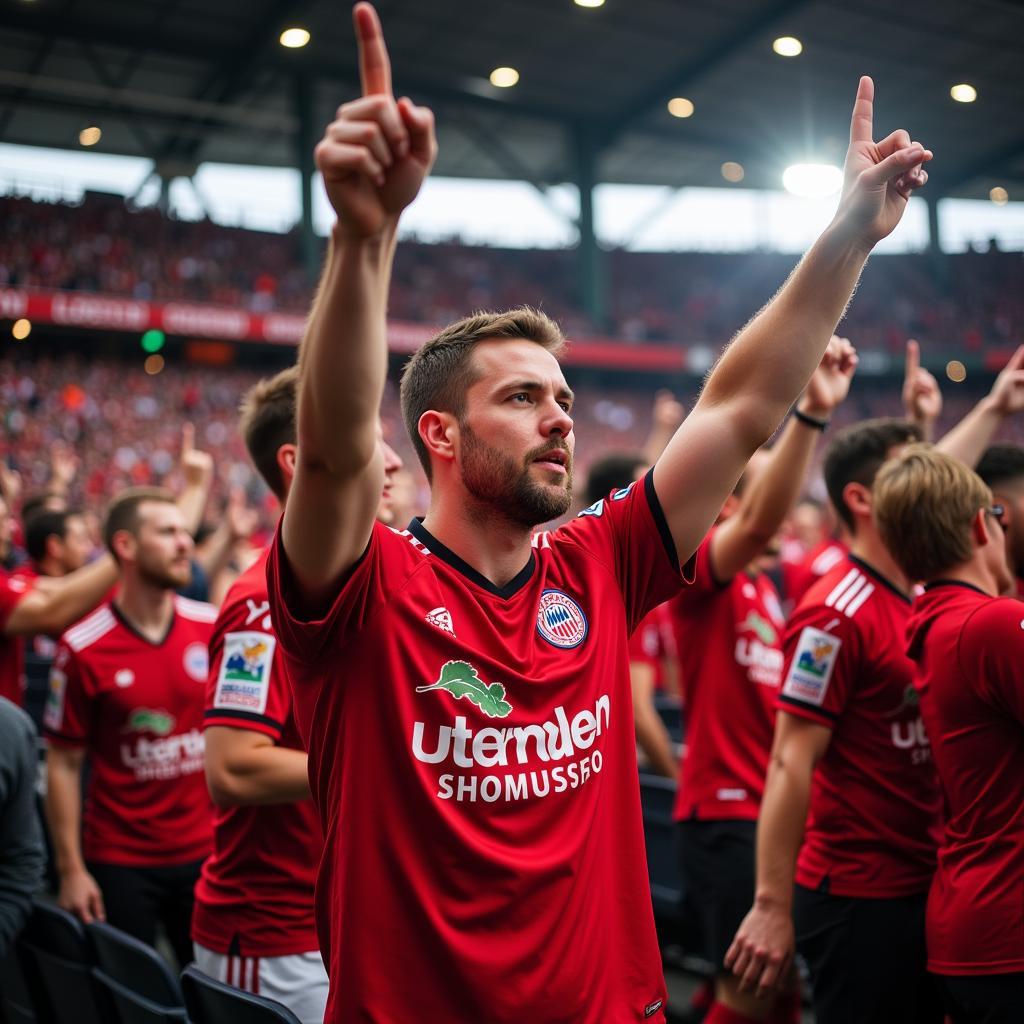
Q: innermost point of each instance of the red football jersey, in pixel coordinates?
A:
(873, 826)
(652, 642)
(12, 651)
(969, 649)
(137, 707)
(729, 639)
(255, 894)
(472, 758)
(799, 576)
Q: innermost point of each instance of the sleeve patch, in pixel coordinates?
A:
(53, 715)
(812, 666)
(243, 683)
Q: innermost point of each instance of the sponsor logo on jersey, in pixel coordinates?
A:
(761, 628)
(909, 699)
(256, 611)
(124, 677)
(197, 662)
(623, 493)
(461, 680)
(53, 715)
(167, 758)
(652, 1008)
(149, 720)
(759, 654)
(597, 509)
(812, 666)
(560, 620)
(442, 618)
(243, 682)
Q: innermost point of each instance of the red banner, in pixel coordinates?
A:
(92, 311)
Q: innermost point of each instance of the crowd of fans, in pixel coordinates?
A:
(959, 303)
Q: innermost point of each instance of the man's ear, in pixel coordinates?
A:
(286, 462)
(981, 528)
(858, 500)
(439, 431)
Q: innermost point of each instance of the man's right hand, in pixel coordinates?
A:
(762, 951)
(80, 895)
(375, 156)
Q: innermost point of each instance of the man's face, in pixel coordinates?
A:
(1012, 499)
(516, 433)
(76, 546)
(808, 525)
(392, 464)
(162, 546)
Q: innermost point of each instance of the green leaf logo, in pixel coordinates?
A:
(762, 627)
(459, 678)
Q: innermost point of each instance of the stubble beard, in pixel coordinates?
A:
(503, 487)
(163, 576)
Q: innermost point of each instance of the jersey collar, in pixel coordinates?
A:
(510, 589)
(872, 571)
(126, 622)
(955, 583)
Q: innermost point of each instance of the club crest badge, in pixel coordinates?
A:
(560, 620)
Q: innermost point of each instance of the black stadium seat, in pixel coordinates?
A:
(133, 964)
(132, 1008)
(212, 1002)
(657, 796)
(16, 1004)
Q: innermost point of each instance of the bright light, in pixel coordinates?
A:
(999, 196)
(504, 78)
(956, 371)
(964, 93)
(153, 365)
(732, 171)
(590, 3)
(294, 38)
(680, 106)
(812, 181)
(153, 340)
(90, 136)
(788, 46)
(21, 329)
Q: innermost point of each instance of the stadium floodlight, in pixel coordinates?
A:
(964, 93)
(812, 181)
(680, 106)
(589, 3)
(999, 196)
(90, 136)
(504, 78)
(294, 38)
(153, 340)
(788, 46)
(22, 329)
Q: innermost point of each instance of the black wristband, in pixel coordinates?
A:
(810, 420)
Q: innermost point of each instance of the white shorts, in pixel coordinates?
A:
(298, 982)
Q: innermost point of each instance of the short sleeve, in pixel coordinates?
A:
(69, 715)
(380, 572)
(628, 533)
(822, 654)
(11, 592)
(991, 652)
(247, 687)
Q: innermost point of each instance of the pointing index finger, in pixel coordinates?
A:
(374, 63)
(188, 437)
(862, 122)
(913, 358)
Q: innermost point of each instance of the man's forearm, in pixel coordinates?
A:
(64, 816)
(343, 358)
(968, 440)
(772, 358)
(52, 607)
(780, 830)
(259, 775)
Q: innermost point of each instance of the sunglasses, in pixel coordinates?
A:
(997, 512)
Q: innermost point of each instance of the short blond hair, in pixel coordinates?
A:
(439, 373)
(924, 504)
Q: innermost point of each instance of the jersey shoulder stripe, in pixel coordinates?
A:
(198, 611)
(850, 594)
(414, 542)
(90, 629)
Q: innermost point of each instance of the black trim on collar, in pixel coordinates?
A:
(872, 571)
(510, 589)
(123, 619)
(955, 583)
(660, 521)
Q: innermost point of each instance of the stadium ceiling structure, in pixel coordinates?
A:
(188, 81)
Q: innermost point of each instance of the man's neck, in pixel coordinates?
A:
(148, 608)
(497, 548)
(975, 574)
(868, 547)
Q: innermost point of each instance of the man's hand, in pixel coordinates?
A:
(376, 154)
(762, 951)
(922, 399)
(242, 520)
(878, 177)
(80, 895)
(668, 412)
(196, 465)
(63, 467)
(830, 383)
(1007, 394)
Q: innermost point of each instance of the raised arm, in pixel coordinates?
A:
(767, 502)
(762, 372)
(968, 440)
(922, 399)
(373, 159)
(55, 603)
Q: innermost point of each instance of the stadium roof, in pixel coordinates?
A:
(185, 81)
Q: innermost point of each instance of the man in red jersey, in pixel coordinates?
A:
(1002, 468)
(253, 924)
(728, 628)
(848, 718)
(464, 683)
(968, 645)
(126, 690)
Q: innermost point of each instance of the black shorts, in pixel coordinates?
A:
(717, 863)
(866, 958)
(984, 998)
